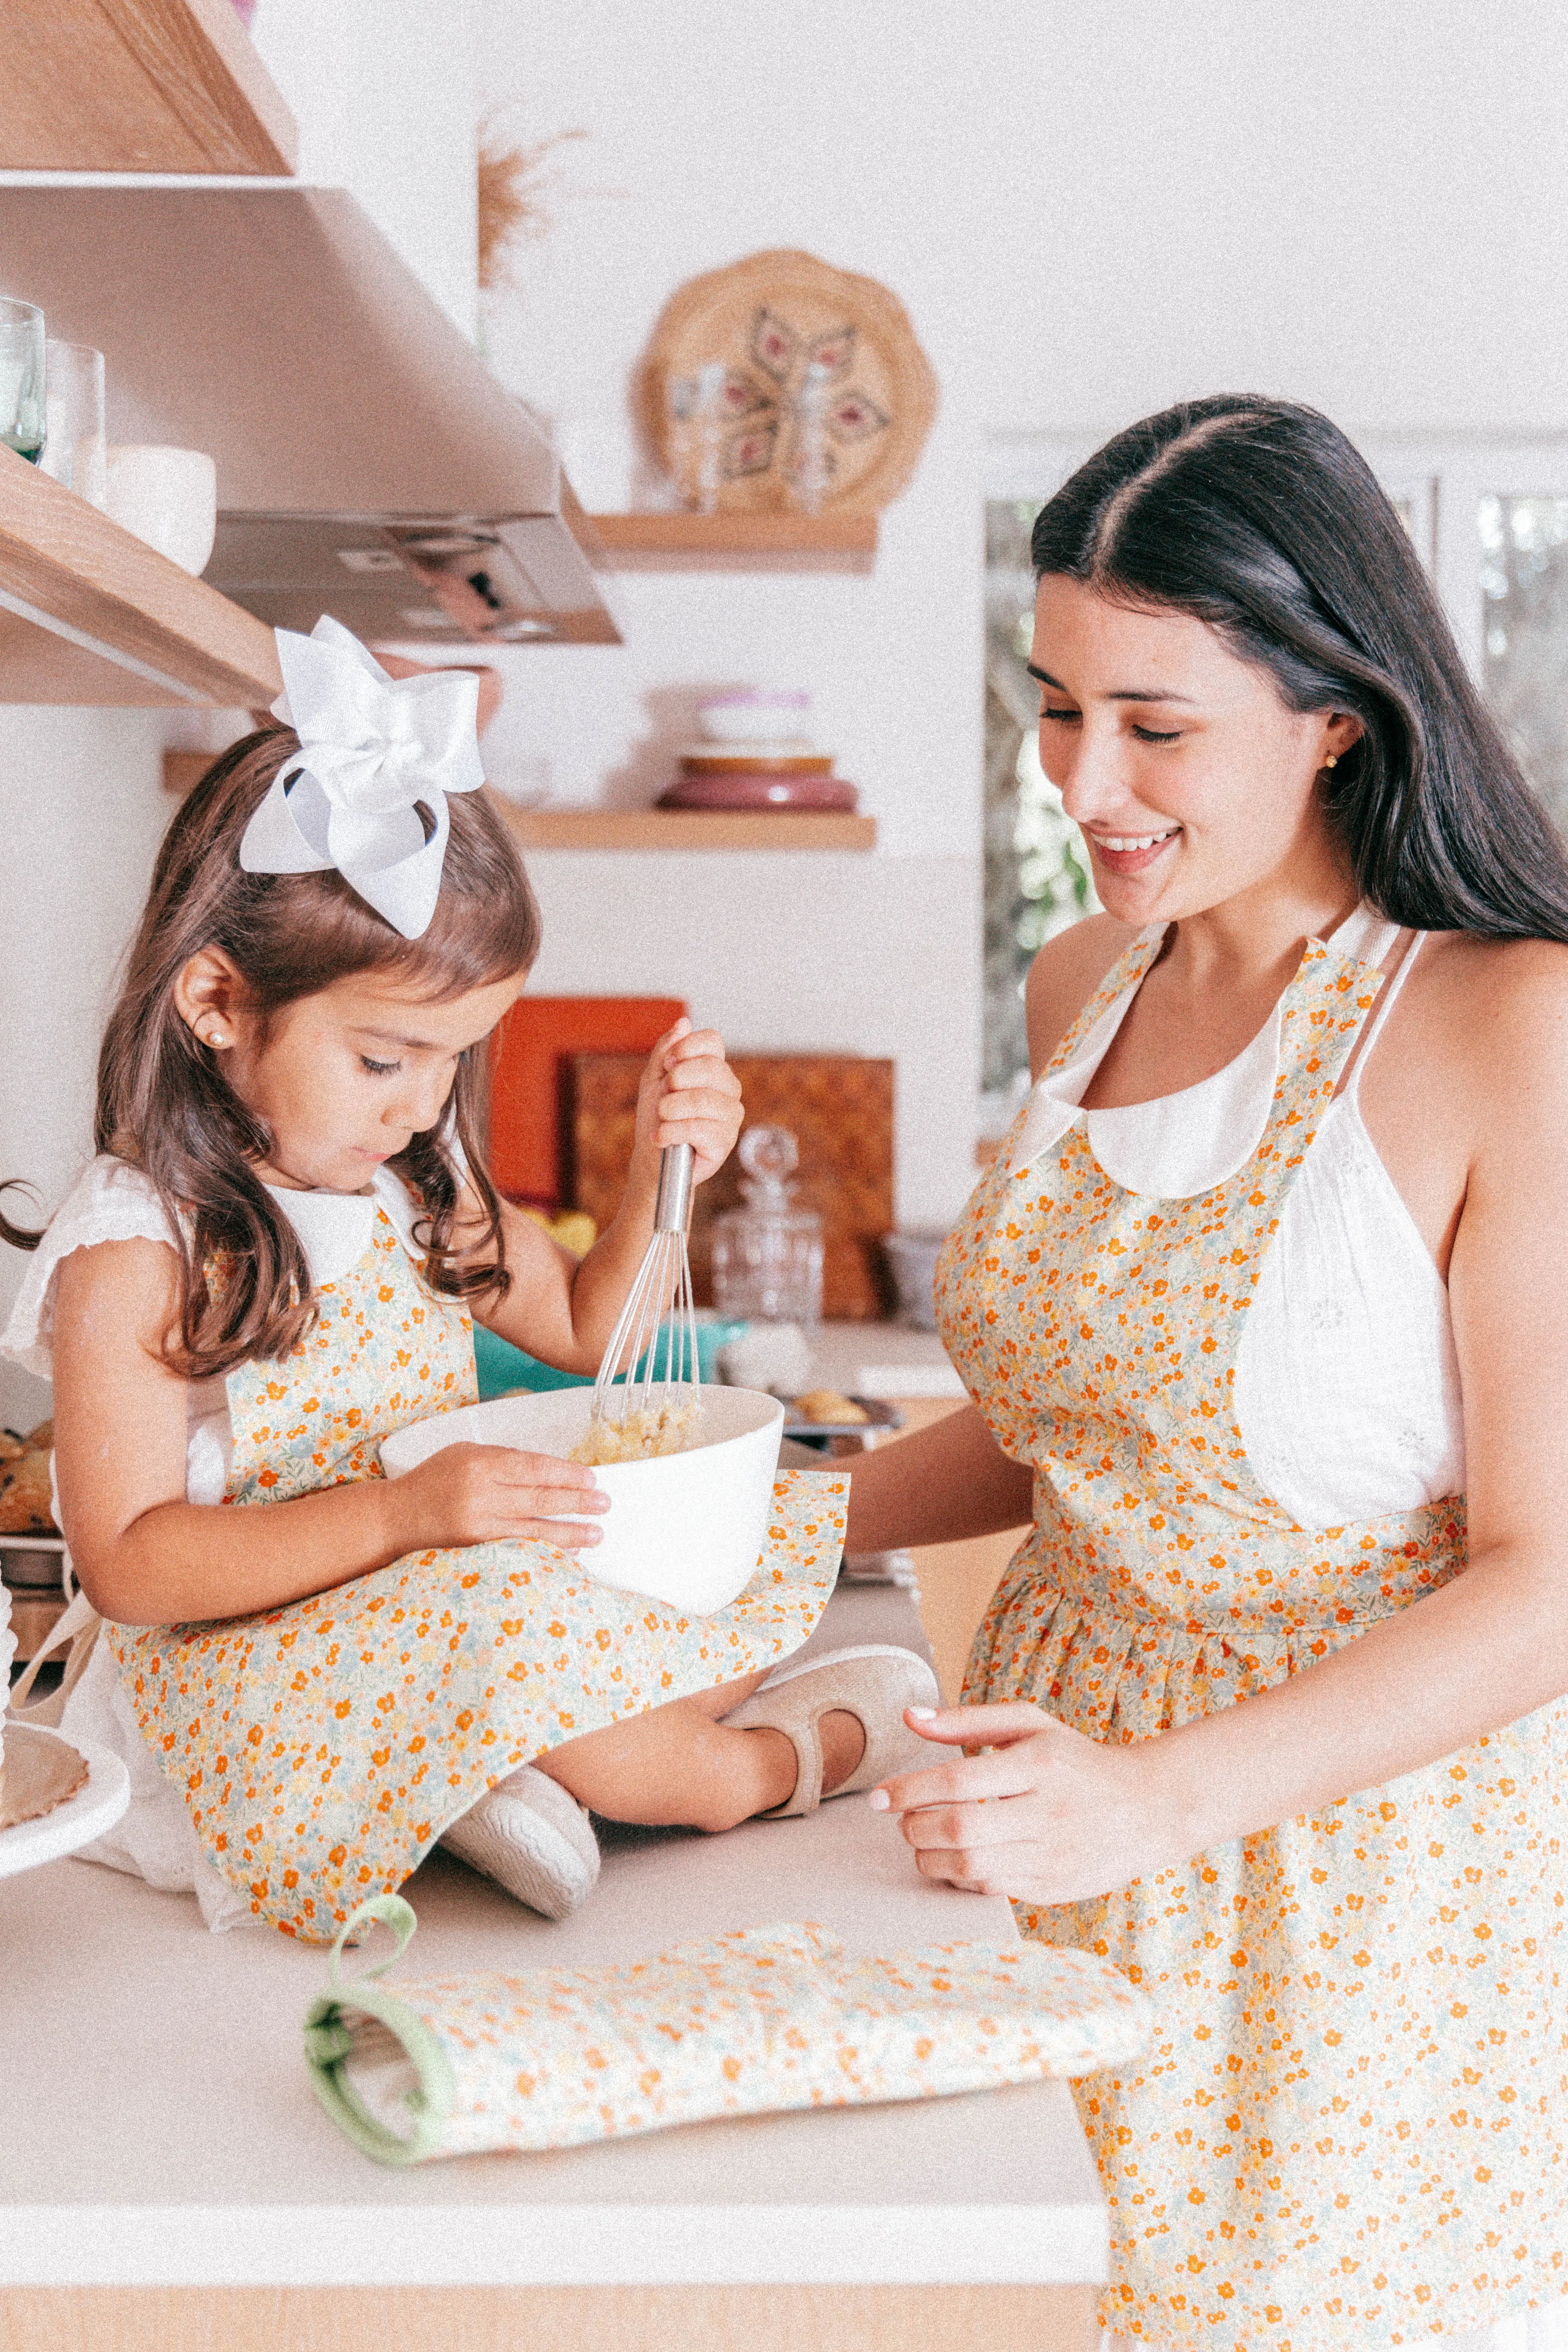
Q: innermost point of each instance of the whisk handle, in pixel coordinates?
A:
(672, 1208)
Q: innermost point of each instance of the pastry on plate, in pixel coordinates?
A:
(827, 1405)
(38, 1772)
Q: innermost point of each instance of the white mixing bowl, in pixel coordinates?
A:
(686, 1529)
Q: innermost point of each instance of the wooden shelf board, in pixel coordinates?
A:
(841, 538)
(137, 86)
(685, 829)
(91, 614)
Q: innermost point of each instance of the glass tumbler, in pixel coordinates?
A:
(75, 452)
(699, 419)
(22, 379)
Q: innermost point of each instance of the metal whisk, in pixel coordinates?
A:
(654, 1345)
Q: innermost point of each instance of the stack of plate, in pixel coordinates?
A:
(755, 754)
(31, 1575)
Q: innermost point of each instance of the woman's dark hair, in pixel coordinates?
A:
(163, 1102)
(1260, 519)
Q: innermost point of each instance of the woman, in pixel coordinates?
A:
(1260, 1310)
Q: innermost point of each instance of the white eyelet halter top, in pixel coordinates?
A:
(1347, 1383)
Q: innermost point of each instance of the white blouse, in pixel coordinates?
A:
(1347, 1385)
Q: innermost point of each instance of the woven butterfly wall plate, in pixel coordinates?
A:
(789, 384)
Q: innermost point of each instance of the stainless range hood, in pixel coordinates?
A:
(368, 464)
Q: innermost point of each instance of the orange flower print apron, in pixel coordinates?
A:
(1351, 2125)
(322, 1748)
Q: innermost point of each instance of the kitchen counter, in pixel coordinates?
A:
(162, 2129)
(883, 1359)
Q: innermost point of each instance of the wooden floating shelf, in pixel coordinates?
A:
(137, 86)
(841, 540)
(89, 613)
(683, 829)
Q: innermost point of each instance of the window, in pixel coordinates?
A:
(1524, 665)
(1491, 523)
(1037, 869)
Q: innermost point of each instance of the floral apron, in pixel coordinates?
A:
(1350, 2125)
(322, 1748)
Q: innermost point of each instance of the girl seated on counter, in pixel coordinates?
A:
(315, 1674)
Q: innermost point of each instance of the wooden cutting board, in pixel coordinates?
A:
(839, 1106)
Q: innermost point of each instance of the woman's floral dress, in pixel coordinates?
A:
(1352, 2126)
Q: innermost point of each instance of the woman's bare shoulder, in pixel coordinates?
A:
(1488, 1031)
(1491, 996)
(1064, 976)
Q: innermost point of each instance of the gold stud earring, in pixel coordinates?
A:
(1330, 759)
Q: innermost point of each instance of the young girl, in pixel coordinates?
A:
(314, 1673)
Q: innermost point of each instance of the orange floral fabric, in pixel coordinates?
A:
(324, 1747)
(1350, 2126)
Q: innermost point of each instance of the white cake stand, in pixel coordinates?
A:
(96, 1806)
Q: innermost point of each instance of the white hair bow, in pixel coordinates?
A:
(371, 749)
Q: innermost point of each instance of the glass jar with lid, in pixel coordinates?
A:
(767, 1253)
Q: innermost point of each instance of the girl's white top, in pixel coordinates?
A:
(114, 1203)
(1347, 1383)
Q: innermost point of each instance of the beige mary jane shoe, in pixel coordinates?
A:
(874, 1682)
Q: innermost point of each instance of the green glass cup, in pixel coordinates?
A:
(22, 409)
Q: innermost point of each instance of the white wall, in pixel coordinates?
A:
(83, 806)
(1354, 203)
(383, 92)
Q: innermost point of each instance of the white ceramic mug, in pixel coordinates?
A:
(167, 496)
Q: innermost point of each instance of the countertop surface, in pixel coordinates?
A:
(883, 1359)
(161, 2127)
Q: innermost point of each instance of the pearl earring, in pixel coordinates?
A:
(215, 1038)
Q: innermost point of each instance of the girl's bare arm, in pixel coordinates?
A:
(146, 1557)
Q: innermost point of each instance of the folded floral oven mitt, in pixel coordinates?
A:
(760, 2018)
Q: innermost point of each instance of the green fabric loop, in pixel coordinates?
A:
(330, 2044)
(325, 2045)
(387, 1911)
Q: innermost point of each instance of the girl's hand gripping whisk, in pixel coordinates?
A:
(690, 1106)
(688, 1095)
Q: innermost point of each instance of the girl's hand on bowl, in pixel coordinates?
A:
(489, 1494)
(688, 1095)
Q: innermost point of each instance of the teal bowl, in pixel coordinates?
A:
(502, 1367)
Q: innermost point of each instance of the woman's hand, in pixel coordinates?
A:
(1047, 1817)
(688, 1095)
(486, 1494)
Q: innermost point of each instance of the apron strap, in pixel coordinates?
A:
(1350, 1081)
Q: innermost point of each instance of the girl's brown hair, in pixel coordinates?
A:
(163, 1102)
